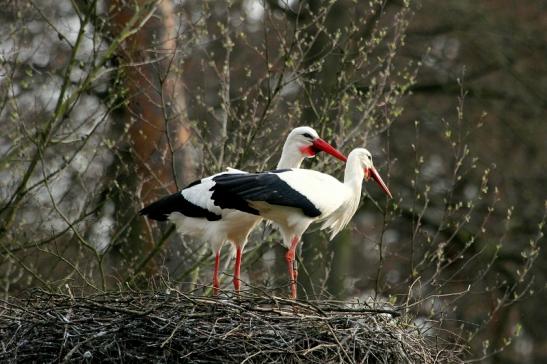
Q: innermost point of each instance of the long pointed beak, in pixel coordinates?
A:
(320, 144)
(372, 172)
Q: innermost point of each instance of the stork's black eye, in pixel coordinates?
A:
(307, 135)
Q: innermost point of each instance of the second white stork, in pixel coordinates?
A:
(295, 198)
(194, 212)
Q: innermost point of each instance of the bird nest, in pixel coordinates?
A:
(175, 327)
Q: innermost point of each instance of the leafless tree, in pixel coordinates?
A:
(107, 105)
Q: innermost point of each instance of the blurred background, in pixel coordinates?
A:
(106, 106)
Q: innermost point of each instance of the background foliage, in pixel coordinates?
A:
(107, 105)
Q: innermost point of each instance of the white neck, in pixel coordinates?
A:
(353, 175)
(290, 157)
(353, 180)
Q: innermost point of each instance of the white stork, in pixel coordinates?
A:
(295, 198)
(195, 214)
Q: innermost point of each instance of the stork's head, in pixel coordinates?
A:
(365, 159)
(307, 142)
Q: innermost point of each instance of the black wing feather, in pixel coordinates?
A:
(235, 190)
(176, 202)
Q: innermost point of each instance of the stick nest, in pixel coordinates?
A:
(174, 327)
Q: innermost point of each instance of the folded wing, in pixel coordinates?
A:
(237, 191)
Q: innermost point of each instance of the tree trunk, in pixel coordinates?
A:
(159, 148)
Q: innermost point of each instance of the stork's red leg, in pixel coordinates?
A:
(237, 270)
(290, 258)
(216, 285)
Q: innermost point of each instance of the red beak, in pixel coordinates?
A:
(372, 172)
(320, 144)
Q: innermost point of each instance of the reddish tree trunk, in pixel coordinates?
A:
(155, 112)
(154, 117)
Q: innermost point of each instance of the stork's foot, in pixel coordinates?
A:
(236, 282)
(237, 270)
(292, 266)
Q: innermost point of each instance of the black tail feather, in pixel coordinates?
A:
(161, 209)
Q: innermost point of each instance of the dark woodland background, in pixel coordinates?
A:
(107, 105)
